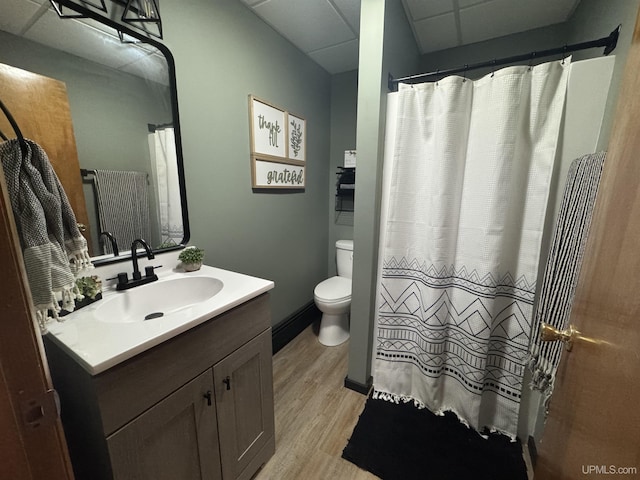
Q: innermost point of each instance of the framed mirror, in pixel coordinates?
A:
(122, 97)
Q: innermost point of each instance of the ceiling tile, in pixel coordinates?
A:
(504, 17)
(437, 33)
(419, 9)
(252, 3)
(327, 30)
(338, 58)
(71, 36)
(83, 41)
(350, 10)
(468, 3)
(308, 24)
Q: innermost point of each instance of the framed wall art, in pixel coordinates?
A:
(278, 147)
(296, 137)
(267, 174)
(268, 129)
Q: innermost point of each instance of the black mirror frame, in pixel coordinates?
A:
(101, 18)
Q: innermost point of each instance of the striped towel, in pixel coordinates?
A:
(52, 246)
(123, 206)
(563, 268)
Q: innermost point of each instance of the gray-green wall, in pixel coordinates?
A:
(594, 19)
(386, 45)
(533, 40)
(401, 57)
(110, 134)
(223, 53)
(344, 105)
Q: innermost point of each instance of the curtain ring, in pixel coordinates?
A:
(464, 74)
(493, 64)
(533, 55)
(564, 53)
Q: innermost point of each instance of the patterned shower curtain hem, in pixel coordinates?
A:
(397, 398)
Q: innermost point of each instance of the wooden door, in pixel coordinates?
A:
(175, 439)
(244, 402)
(593, 428)
(41, 109)
(31, 446)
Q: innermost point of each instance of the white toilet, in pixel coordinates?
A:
(333, 298)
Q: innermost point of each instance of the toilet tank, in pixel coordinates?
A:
(344, 257)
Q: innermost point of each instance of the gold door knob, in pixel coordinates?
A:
(552, 334)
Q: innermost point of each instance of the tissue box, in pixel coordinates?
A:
(349, 159)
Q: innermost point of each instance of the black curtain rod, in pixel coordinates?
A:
(609, 43)
(153, 128)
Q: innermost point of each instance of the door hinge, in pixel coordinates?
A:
(41, 411)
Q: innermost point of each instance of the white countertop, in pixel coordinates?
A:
(99, 345)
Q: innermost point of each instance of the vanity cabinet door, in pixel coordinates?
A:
(244, 402)
(175, 439)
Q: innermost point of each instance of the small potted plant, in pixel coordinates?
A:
(90, 290)
(90, 287)
(191, 258)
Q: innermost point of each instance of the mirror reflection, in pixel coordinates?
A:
(120, 101)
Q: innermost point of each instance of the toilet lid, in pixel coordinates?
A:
(334, 289)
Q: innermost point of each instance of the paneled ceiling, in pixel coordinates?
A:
(328, 30)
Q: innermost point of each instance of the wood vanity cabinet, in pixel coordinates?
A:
(198, 406)
(173, 439)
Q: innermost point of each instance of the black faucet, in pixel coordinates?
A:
(114, 243)
(137, 279)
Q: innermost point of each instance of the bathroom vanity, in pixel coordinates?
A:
(194, 402)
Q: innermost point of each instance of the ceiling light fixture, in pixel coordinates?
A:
(144, 15)
(57, 6)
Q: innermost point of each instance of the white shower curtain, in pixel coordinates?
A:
(472, 163)
(162, 146)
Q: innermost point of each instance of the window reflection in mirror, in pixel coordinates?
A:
(120, 101)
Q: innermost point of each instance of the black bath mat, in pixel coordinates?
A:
(402, 442)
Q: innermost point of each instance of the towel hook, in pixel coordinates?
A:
(15, 127)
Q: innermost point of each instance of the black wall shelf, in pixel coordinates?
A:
(345, 189)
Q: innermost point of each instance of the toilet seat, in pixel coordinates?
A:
(333, 290)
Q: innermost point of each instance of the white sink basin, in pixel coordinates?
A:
(159, 299)
(114, 329)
